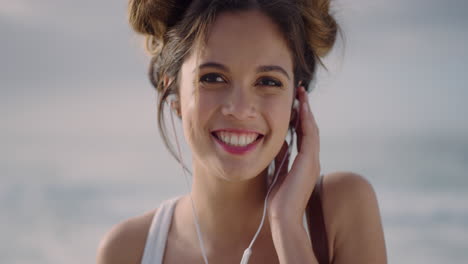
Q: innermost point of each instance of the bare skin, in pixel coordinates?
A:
(229, 190)
(358, 241)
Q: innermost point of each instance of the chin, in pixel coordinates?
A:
(239, 173)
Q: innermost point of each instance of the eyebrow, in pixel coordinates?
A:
(262, 68)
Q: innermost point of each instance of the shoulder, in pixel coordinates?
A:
(125, 241)
(352, 217)
(345, 185)
(342, 193)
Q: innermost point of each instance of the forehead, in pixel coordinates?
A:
(246, 40)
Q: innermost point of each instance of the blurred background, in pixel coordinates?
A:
(80, 150)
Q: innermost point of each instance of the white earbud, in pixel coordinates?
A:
(296, 104)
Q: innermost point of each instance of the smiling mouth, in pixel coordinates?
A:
(236, 144)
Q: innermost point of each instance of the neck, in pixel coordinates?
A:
(229, 213)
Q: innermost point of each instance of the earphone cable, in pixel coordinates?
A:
(194, 213)
(248, 251)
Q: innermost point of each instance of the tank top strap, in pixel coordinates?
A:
(316, 224)
(158, 231)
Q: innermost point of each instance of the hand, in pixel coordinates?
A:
(289, 197)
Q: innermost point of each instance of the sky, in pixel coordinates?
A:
(401, 69)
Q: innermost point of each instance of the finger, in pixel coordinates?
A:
(302, 95)
(283, 154)
(309, 129)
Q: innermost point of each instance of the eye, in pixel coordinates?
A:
(267, 81)
(212, 78)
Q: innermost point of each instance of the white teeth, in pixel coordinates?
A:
(236, 139)
(242, 140)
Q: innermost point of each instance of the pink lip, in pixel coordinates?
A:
(237, 150)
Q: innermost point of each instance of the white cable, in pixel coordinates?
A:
(194, 213)
(248, 251)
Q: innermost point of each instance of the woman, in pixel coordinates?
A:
(231, 70)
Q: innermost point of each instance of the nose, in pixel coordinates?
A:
(240, 104)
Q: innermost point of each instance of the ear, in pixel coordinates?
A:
(295, 106)
(175, 106)
(175, 101)
(167, 81)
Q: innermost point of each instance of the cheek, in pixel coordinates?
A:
(281, 127)
(279, 114)
(195, 111)
(278, 122)
(189, 119)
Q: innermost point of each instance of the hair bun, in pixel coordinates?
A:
(149, 16)
(320, 25)
(153, 17)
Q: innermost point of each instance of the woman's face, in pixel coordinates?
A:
(238, 89)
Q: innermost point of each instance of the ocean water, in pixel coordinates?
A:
(58, 196)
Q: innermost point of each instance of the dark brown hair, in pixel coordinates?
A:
(173, 27)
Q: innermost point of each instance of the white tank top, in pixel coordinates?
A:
(159, 229)
(157, 234)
